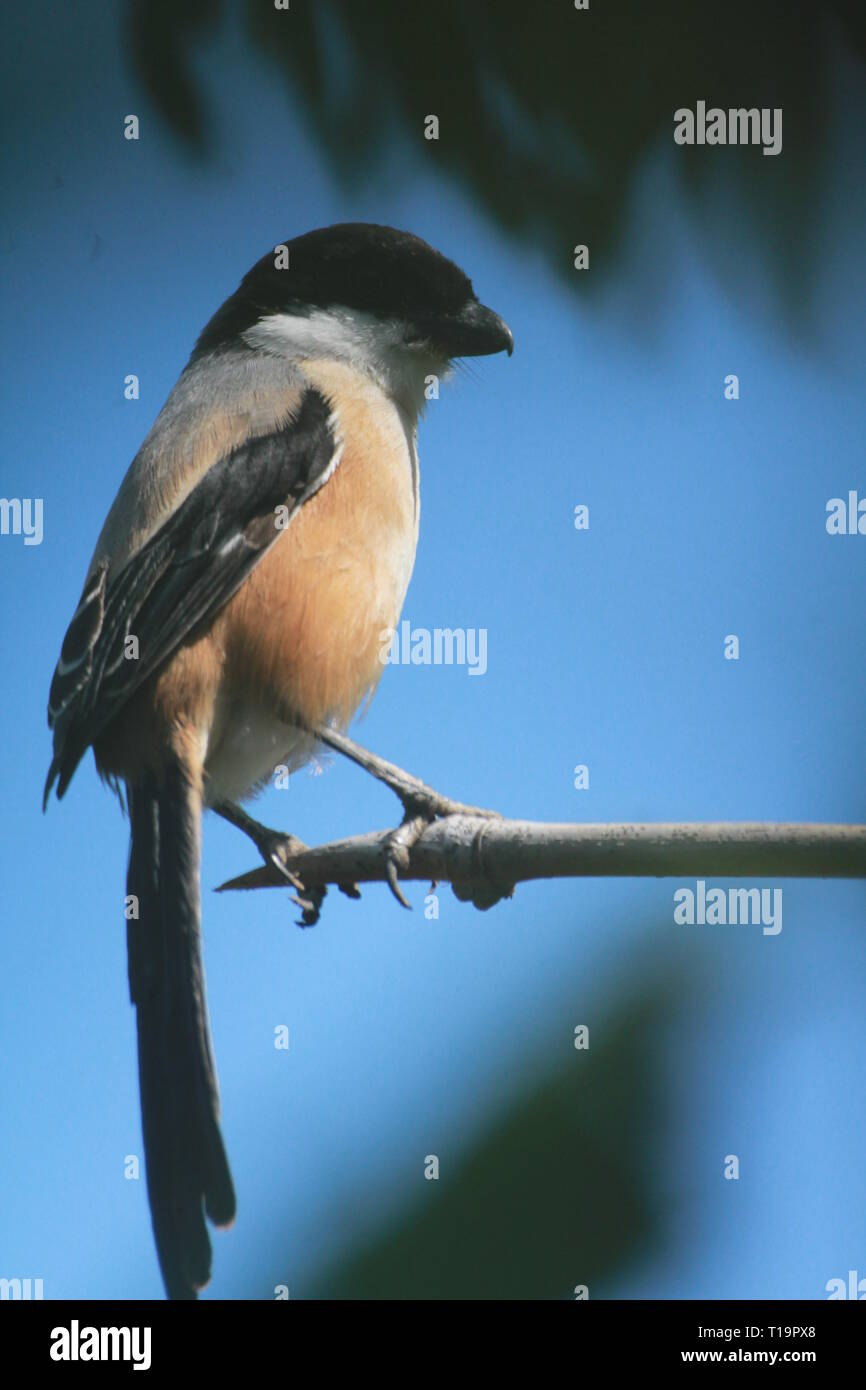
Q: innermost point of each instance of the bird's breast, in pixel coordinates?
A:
(308, 630)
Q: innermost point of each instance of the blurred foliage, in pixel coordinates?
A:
(555, 1191)
(547, 113)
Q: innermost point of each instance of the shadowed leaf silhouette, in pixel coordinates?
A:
(547, 114)
(554, 1192)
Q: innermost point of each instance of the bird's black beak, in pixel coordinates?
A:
(475, 331)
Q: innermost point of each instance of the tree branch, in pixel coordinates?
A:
(483, 858)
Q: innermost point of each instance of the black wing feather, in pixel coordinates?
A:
(181, 577)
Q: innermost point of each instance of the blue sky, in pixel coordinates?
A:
(604, 648)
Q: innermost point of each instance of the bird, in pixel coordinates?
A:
(260, 543)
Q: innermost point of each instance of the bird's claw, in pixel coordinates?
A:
(277, 852)
(397, 849)
(310, 904)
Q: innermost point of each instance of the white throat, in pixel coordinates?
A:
(373, 346)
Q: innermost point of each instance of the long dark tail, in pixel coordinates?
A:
(187, 1169)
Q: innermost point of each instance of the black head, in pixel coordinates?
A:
(391, 275)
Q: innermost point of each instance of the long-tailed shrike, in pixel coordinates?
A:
(261, 542)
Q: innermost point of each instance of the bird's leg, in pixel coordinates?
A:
(421, 804)
(277, 848)
(417, 798)
(274, 846)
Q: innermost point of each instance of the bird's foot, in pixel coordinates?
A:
(422, 805)
(277, 849)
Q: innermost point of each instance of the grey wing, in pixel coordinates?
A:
(182, 576)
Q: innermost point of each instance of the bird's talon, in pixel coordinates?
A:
(310, 905)
(394, 882)
(276, 860)
(397, 849)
